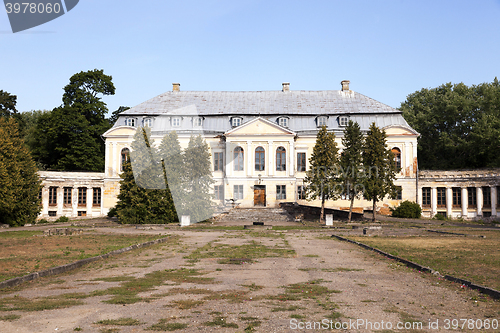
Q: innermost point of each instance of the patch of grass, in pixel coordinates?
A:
(342, 269)
(471, 258)
(297, 316)
(311, 256)
(252, 287)
(252, 250)
(220, 321)
(187, 304)
(165, 325)
(307, 269)
(120, 322)
(234, 261)
(39, 304)
(10, 317)
(308, 289)
(231, 296)
(286, 308)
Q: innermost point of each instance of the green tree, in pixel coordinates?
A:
(19, 181)
(197, 180)
(321, 180)
(351, 163)
(7, 104)
(114, 116)
(70, 135)
(459, 126)
(379, 167)
(170, 153)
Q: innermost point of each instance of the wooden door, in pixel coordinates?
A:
(259, 196)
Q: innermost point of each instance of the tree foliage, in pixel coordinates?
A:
(321, 180)
(351, 163)
(19, 181)
(407, 209)
(70, 135)
(7, 104)
(379, 167)
(459, 126)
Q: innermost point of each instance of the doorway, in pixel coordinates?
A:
(259, 195)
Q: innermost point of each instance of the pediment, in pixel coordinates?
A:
(260, 126)
(120, 131)
(400, 130)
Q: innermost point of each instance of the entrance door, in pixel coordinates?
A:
(259, 195)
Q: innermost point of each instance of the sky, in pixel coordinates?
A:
(388, 49)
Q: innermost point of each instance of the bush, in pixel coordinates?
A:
(63, 219)
(42, 221)
(407, 209)
(439, 217)
(112, 212)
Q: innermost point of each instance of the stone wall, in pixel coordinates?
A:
(304, 212)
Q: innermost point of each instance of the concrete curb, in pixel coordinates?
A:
(485, 290)
(68, 267)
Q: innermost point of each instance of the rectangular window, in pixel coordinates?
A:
(283, 122)
(301, 192)
(301, 162)
(238, 160)
(472, 199)
(52, 213)
(176, 122)
(238, 192)
(96, 196)
(148, 122)
(321, 121)
(198, 122)
(67, 195)
(218, 161)
(441, 197)
(486, 197)
(82, 213)
(236, 122)
(52, 196)
(426, 196)
(130, 122)
(280, 192)
(457, 197)
(399, 193)
(219, 192)
(343, 121)
(82, 196)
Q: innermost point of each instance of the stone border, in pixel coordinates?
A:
(485, 290)
(77, 264)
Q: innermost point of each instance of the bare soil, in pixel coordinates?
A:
(323, 280)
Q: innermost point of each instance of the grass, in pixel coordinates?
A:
(470, 258)
(221, 322)
(18, 303)
(252, 250)
(21, 253)
(120, 322)
(10, 317)
(186, 304)
(165, 325)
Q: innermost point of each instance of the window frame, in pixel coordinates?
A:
(283, 121)
(82, 196)
(218, 161)
(301, 162)
(53, 196)
(238, 192)
(236, 121)
(124, 157)
(397, 158)
(67, 193)
(343, 121)
(301, 192)
(238, 159)
(280, 192)
(130, 122)
(176, 122)
(441, 196)
(198, 122)
(471, 197)
(260, 159)
(96, 197)
(322, 121)
(280, 158)
(456, 195)
(219, 192)
(148, 122)
(486, 196)
(426, 197)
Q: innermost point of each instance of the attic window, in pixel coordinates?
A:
(148, 122)
(321, 121)
(130, 122)
(283, 121)
(235, 122)
(176, 122)
(197, 122)
(343, 121)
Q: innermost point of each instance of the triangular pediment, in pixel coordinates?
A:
(400, 130)
(259, 126)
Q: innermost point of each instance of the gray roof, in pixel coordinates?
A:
(260, 103)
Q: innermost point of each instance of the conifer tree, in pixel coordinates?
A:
(321, 179)
(170, 154)
(19, 181)
(351, 163)
(379, 167)
(197, 180)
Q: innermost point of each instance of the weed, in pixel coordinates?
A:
(187, 304)
(220, 321)
(10, 317)
(120, 322)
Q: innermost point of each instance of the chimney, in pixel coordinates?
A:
(286, 86)
(345, 85)
(176, 87)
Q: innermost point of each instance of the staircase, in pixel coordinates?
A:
(242, 216)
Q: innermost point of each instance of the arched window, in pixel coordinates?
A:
(259, 159)
(281, 159)
(125, 154)
(238, 159)
(397, 158)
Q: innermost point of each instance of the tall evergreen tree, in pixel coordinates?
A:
(19, 181)
(321, 180)
(170, 154)
(351, 163)
(379, 167)
(197, 180)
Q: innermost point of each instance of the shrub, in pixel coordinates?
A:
(439, 217)
(42, 221)
(63, 219)
(112, 212)
(407, 209)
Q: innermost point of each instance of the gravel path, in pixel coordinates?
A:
(369, 288)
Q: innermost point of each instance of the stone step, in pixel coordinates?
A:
(250, 215)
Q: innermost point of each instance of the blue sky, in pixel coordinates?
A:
(387, 49)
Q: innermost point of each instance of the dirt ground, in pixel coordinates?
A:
(325, 281)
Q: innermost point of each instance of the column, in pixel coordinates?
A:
(291, 168)
(419, 201)
(407, 163)
(45, 201)
(229, 160)
(74, 201)
(249, 158)
(106, 159)
(115, 164)
(494, 197)
(270, 155)
(479, 191)
(465, 202)
(433, 201)
(449, 201)
(89, 201)
(60, 197)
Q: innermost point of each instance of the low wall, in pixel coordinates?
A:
(313, 213)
